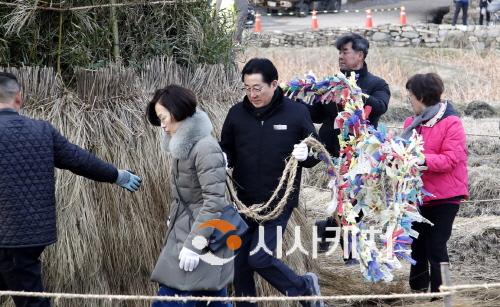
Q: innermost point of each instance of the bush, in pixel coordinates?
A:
(190, 32)
(480, 109)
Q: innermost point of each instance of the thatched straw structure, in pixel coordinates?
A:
(109, 239)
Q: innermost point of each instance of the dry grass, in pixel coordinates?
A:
(468, 75)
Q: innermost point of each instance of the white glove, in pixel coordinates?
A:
(188, 260)
(300, 152)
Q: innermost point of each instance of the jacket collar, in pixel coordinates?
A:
(266, 111)
(189, 132)
(8, 111)
(445, 110)
(360, 73)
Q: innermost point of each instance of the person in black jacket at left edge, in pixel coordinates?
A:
(29, 151)
(353, 49)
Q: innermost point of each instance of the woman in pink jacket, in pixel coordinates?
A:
(445, 151)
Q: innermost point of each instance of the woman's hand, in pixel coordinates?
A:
(189, 260)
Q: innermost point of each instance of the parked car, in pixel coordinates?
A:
(301, 7)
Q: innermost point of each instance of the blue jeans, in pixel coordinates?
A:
(167, 291)
(460, 6)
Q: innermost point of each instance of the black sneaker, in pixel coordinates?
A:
(351, 262)
(323, 234)
(423, 290)
(323, 245)
(313, 283)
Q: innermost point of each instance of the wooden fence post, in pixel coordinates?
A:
(116, 39)
(446, 281)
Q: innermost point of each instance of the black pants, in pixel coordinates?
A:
(481, 16)
(273, 270)
(460, 6)
(324, 234)
(20, 270)
(430, 247)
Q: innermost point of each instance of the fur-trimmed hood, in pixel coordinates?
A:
(190, 131)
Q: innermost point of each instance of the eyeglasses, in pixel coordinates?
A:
(256, 89)
(408, 98)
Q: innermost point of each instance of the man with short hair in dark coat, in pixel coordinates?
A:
(29, 151)
(258, 135)
(353, 49)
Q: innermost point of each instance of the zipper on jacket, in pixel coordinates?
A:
(259, 166)
(177, 178)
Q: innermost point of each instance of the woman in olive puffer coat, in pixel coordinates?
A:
(198, 176)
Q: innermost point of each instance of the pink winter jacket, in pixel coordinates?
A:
(445, 151)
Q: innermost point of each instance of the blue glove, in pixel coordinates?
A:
(128, 180)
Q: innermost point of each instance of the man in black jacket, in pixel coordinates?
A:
(353, 49)
(259, 133)
(29, 151)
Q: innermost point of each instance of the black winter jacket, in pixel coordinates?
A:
(325, 114)
(257, 142)
(29, 151)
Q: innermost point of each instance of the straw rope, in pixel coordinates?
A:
(263, 212)
(59, 9)
(472, 201)
(88, 7)
(223, 299)
(468, 134)
(445, 290)
(470, 287)
(480, 201)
